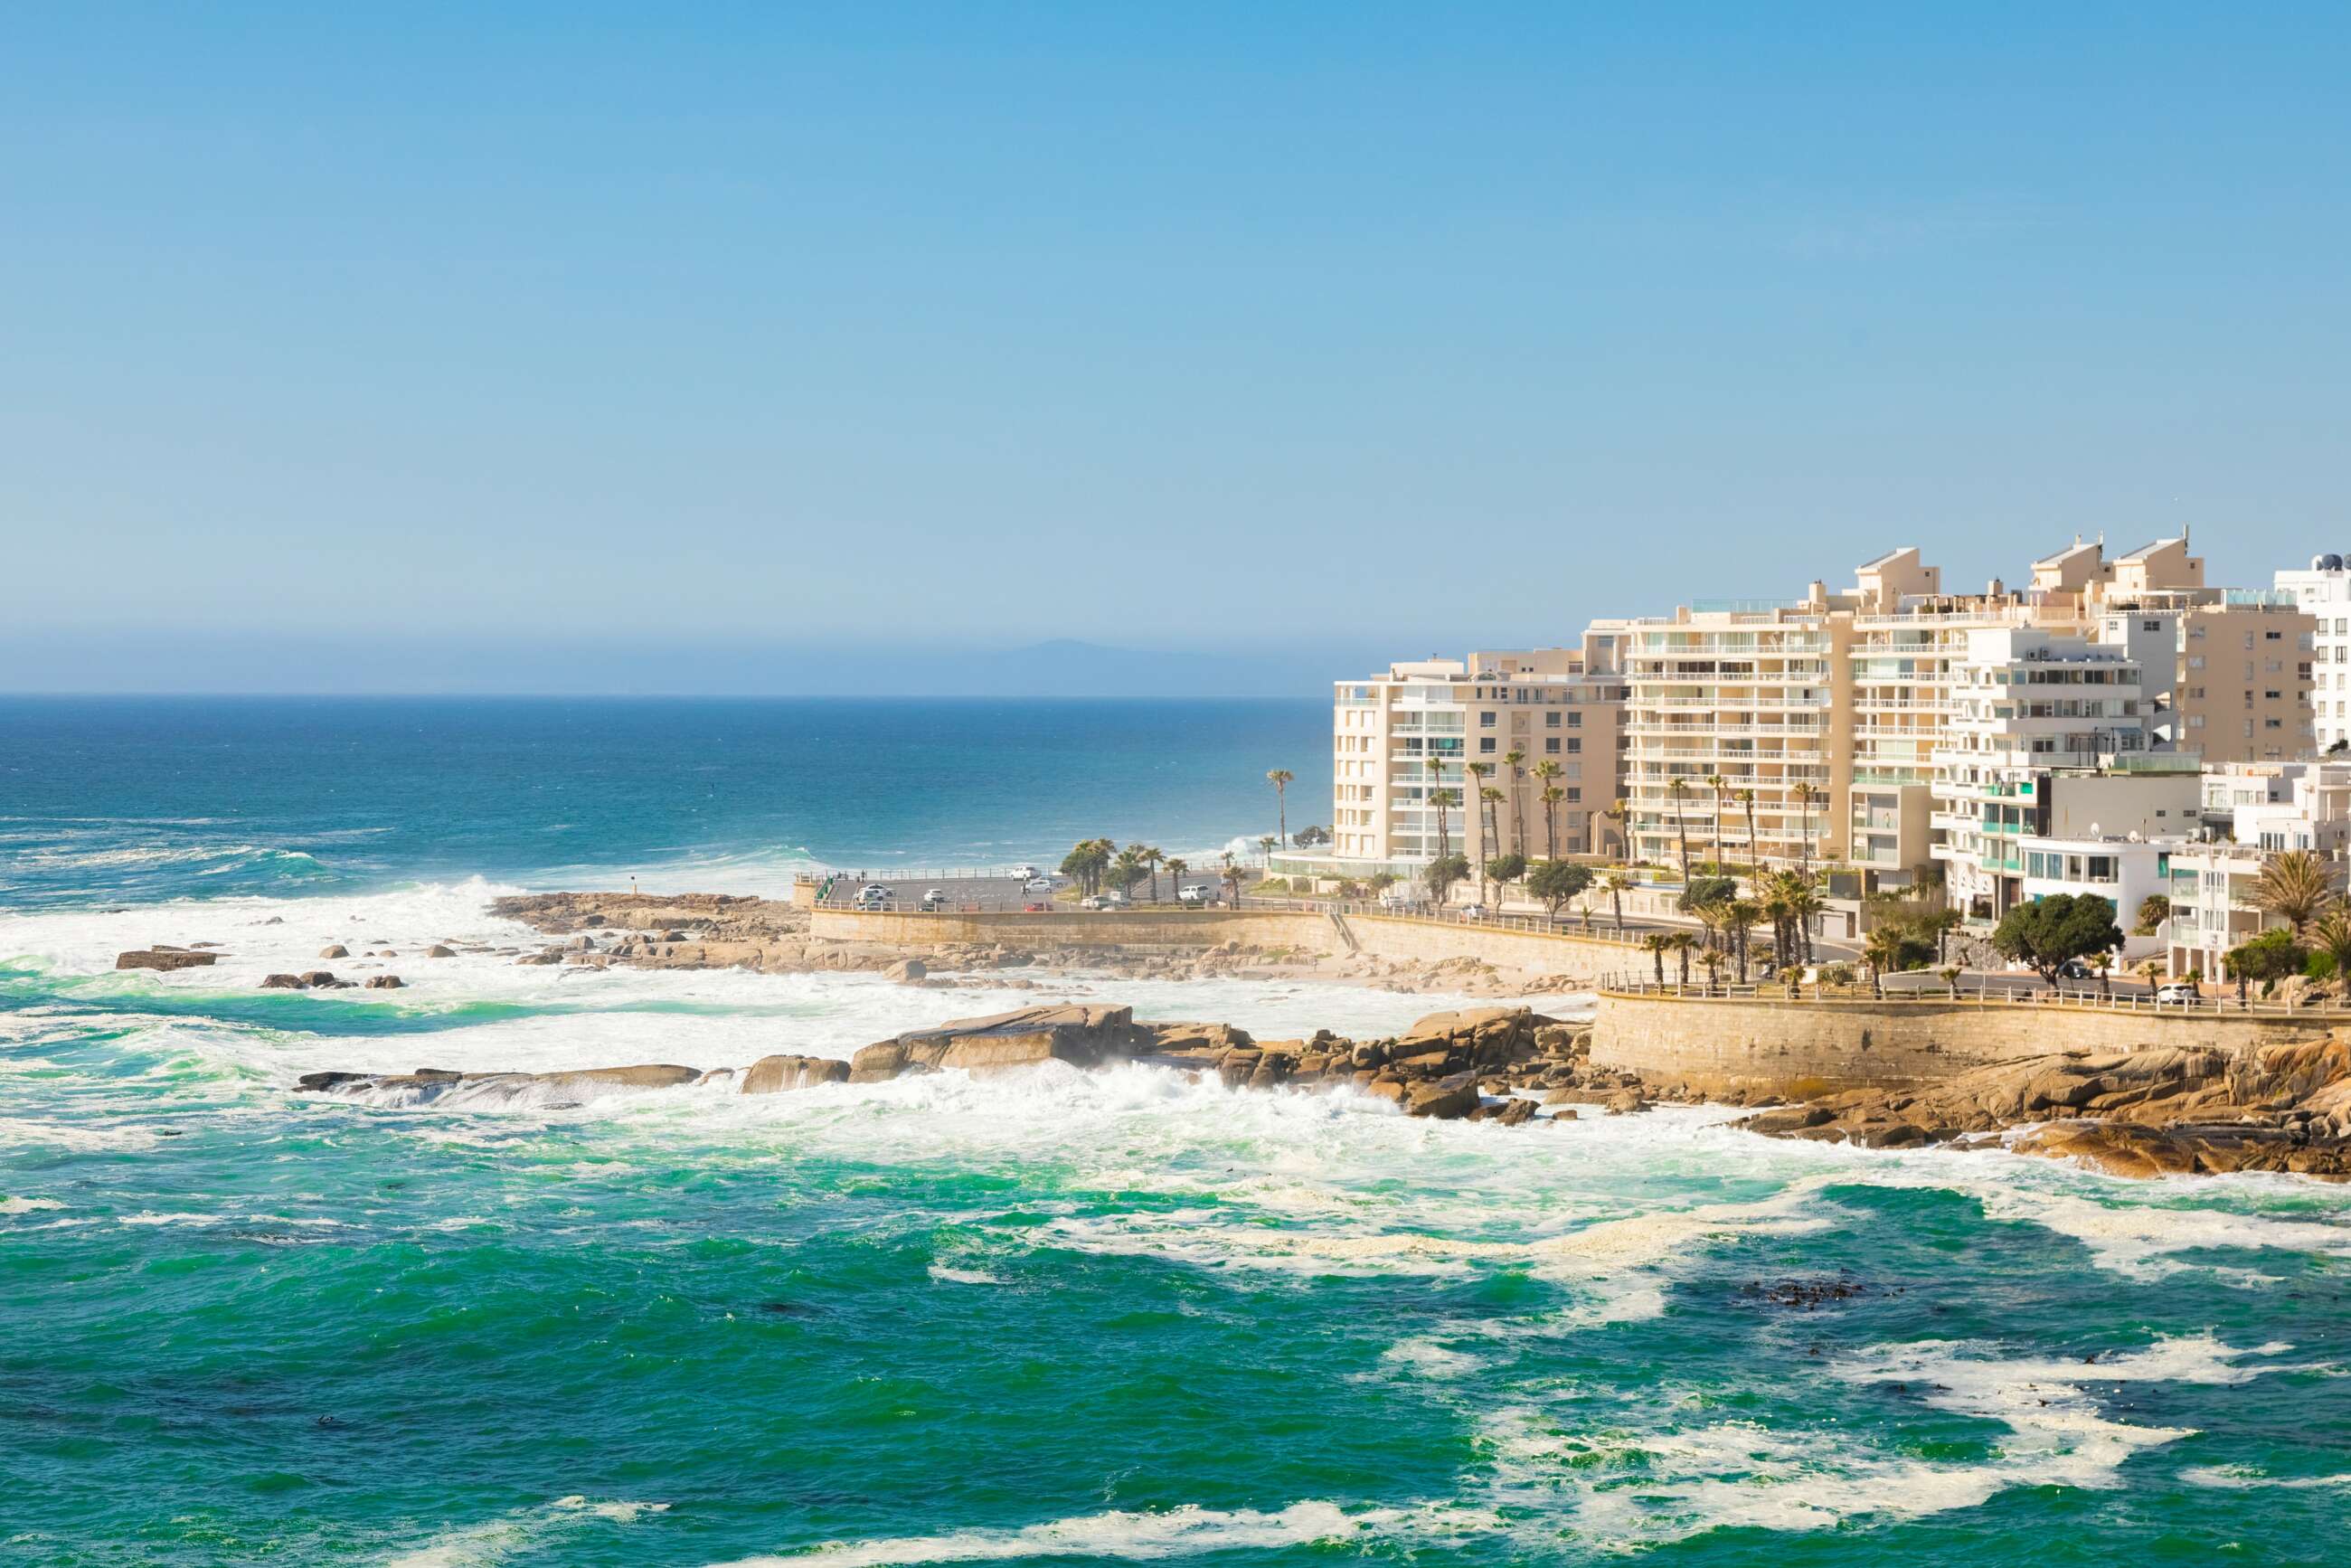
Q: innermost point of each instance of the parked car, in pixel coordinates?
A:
(1113, 899)
(1198, 892)
(935, 899)
(1038, 885)
(873, 895)
(1473, 912)
(2177, 993)
(2075, 969)
(1090, 901)
(1027, 873)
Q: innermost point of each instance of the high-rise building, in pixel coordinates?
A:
(2323, 592)
(1529, 720)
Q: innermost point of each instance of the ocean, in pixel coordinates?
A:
(1061, 1318)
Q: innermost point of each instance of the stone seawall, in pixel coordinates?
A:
(1729, 1045)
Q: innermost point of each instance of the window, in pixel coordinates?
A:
(1575, 742)
(1550, 719)
(1551, 745)
(1486, 743)
(1575, 721)
(1575, 792)
(1486, 719)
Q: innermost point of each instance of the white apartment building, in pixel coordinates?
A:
(2028, 704)
(2255, 811)
(2323, 592)
(1530, 718)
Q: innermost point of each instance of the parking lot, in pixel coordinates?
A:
(996, 895)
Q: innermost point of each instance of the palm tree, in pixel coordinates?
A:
(1881, 949)
(1754, 859)
(1480, 771)
(1515, 760)
(1804, 903)
(1657, 944)
(1280, 777)
(1805, 796)
(1151, 861)
(1548, 770)
(1682, 942)
(1493, 800)
(1175, 870)
(1232, 880)
(2295, 886)
(1716, 782)
(1745, 914)
(1618, 884)
(2103, 961)
(1678, 789)
(1441, 798)
(1777, 909)
(1621, 812)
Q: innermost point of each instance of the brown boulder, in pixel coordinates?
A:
(165, 958)
(383, 983)
(1447, 1101)
(773, 1074)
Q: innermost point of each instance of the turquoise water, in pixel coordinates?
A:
(1059, 1319)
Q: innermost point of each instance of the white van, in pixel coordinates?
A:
(1197, 894)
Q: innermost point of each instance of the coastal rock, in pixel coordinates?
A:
(384, 983)
(440, 951)
(906, 971)
(1448, 1101)
(323, 981)
(282, 983)
(774, 1074)
(163, 957)
(334, 950)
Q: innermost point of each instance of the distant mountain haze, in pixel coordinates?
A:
(165, 663)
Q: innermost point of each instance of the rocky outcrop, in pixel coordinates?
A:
(427, 1084)
(163, 957)
(774, 1074)
(384, 983)
(2277, 1107)
(334, 950)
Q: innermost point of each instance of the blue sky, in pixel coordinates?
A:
(1349, 327)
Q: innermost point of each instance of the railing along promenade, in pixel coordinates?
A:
(1987, 995)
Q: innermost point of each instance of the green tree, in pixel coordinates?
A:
(1505, 870)
(2331, 931)
(2050, 933)
(1556, 882)
(1445, 873)
(2271, 956)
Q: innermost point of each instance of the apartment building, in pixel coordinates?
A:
(1831, 708)
(1529, 720)
(2324, 593)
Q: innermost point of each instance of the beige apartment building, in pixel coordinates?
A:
(1815, 722)
(1527, 719)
